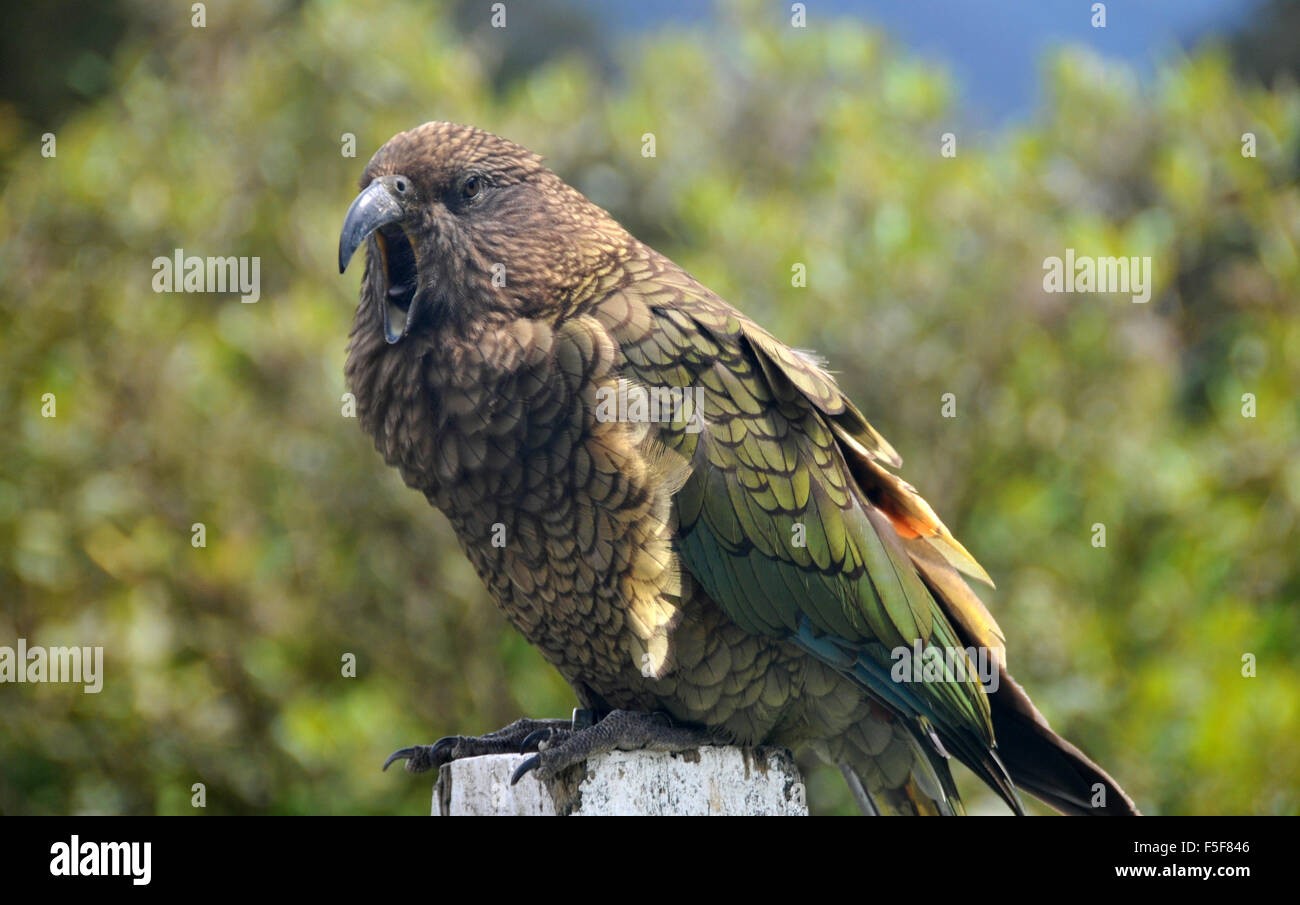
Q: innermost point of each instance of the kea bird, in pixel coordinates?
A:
(688, 518)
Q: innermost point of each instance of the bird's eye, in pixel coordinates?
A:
(471, 187)
(401, 185)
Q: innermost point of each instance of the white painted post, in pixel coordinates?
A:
(710, 781)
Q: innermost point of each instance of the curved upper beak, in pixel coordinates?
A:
(373, 208)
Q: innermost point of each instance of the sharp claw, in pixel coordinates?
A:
(443, 744)
(526, 767)
(420, 758)
(400, 754)
(532, 738)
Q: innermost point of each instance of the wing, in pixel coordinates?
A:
(790, 519)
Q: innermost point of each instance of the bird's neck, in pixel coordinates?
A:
(437, 404)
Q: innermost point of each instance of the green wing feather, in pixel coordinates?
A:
(773, 522)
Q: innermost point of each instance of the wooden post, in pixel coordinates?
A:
(709, 781)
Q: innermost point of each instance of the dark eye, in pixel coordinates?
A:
(471, 187)
(400, 184)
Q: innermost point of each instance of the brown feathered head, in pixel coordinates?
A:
(461, 224)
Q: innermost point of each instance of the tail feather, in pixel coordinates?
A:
(1038, 760)
(1046, 765)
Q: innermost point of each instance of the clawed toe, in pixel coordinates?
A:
(542, 739)
(400, 754)
(555, 744)
(525, 768)
(423, 758)
(558, 749)
(521, 736)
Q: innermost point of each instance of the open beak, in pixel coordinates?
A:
(376, 211)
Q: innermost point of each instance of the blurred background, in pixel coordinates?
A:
(775, 145)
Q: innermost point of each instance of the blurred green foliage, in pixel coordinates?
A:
(775, 146)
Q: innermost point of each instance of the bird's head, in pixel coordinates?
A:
(459, 224)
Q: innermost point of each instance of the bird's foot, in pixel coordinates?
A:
(624, 730)
(520, 736)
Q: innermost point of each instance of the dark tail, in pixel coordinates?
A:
(1046, 765)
